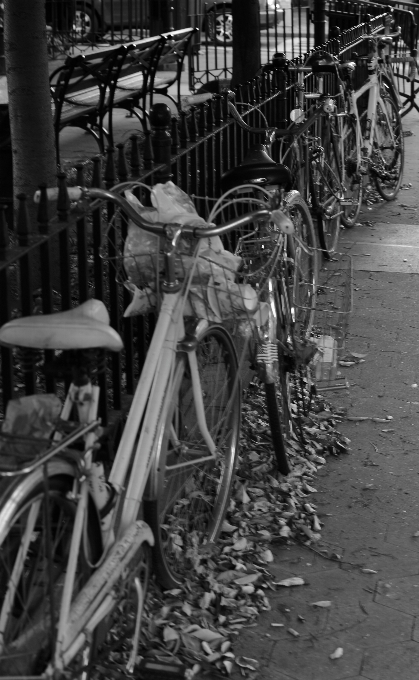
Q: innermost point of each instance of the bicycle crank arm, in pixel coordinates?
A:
(97, 593)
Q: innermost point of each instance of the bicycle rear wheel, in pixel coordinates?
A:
(190, 498)
(387, 159)
(36, 525)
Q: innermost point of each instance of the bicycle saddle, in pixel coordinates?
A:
(84, 327)
(259, 169)
(321, 62)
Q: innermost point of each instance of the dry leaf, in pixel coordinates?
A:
(292, 581)
(206, 634)
(242, 496)
(369, 571)
(245, 580)
(240, 545)
(228, 665)
(337, 653)
(267, 556)
(170, 634)
(246, 662)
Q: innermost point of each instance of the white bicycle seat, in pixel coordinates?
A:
(84, 327)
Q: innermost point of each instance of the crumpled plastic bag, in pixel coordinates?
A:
(33, 417)
(143, 260)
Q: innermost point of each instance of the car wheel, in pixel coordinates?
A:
(219, 27)
(86, 23)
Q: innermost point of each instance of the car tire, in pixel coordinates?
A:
(86, 23)
(219, 26)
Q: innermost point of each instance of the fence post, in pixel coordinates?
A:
(2, 57)
(161, 121)
(319, 21)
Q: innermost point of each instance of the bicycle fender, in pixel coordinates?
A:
(103, 580)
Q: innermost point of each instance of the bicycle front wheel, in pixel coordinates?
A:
(36, 525)
(304, 263)
(190, 498)
(327, 190)
(387, 160)
(351, 176)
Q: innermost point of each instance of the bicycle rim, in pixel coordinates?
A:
(304, 264)
(328, 192)
(387, 160)
(191, 501)
(33, 560)
(351, 177)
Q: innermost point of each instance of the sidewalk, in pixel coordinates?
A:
(367, 562)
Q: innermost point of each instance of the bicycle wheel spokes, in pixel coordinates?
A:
(304, 264)
(351, 176)
(33, 561)
(387, 159)
(193, 487)
(329, 192)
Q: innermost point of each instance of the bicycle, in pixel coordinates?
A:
(73, 552)
(374, 136)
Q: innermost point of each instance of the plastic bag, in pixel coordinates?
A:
(33, 417)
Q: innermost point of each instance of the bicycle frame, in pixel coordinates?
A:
(79, 618)
(147, 404)
(365, 144)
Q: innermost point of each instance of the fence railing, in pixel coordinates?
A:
(57, 263)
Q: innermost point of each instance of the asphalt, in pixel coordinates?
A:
(367, 561)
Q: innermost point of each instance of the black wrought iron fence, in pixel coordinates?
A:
(57, 263)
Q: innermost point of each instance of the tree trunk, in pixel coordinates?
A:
(246, 40)
(31, 125)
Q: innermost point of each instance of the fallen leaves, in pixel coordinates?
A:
(226, 588)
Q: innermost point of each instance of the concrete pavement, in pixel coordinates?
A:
(368, 500)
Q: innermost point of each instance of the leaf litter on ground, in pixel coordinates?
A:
(227, 590)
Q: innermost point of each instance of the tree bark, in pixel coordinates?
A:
(246, 40)
(31, 125)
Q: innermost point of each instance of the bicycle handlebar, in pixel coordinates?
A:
(80, 194)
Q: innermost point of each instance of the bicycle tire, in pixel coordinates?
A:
(327, 189)
(388, 89)
(304, 272)
(30, 608)
(187, 507)
(276, 424)
(387, 160)
(351, 176)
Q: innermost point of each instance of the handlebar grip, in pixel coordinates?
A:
(74, 194)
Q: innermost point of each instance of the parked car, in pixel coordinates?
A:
(218, 22)
(214, 18)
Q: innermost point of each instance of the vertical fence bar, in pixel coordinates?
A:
(5, 309)
(25, 271)
(46, 273)
(112, 251)
(82, 252)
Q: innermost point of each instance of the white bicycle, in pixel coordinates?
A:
(73, 552)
